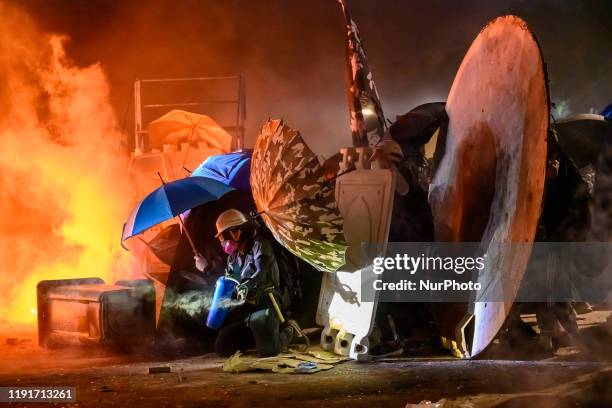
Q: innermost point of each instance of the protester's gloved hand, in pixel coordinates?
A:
(242, 291)
(200, 262)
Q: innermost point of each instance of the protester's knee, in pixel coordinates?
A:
(261, 321)
(264, 325)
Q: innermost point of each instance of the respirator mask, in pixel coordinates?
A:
(229, 246)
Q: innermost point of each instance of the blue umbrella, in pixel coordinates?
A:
(170, 200)
(607, 112)
(232, 169)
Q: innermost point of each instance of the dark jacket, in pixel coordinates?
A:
(256, 268)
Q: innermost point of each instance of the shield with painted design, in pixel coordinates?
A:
(294, 198)
(489, 185)
(368, 125)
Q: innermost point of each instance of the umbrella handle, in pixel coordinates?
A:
(193, 248)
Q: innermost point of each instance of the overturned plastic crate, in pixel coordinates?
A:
(89, 312)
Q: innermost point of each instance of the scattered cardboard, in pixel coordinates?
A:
(293, 362)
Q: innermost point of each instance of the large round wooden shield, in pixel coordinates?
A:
(489, 185)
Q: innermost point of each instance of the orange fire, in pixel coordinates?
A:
(64, 192)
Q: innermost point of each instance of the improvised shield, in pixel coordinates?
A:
(489, 185)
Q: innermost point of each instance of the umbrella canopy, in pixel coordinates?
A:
(158, 255)
(295, 202)
(163, 245)
(232, 169)
(179, 126)
(170, 200)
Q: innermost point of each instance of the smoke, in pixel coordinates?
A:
(195, 304)
(561, 109)
(63, 192)
(293, 52)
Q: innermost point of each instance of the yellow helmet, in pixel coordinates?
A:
(229, 219)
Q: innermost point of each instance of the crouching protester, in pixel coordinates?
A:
(253, 321)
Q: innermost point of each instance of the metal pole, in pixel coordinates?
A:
(212, 78)
(237, 143)
(137, 116)
(242, 108)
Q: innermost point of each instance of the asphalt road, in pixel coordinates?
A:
(569, 379)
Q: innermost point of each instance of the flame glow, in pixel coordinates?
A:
(63, 189)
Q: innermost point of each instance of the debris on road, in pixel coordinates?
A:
(292, 362)
(159, 370)
(427, 404)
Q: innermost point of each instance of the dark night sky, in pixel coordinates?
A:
(293, 51)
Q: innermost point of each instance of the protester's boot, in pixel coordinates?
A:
(549, 336)
(567, 317)
(298, 339)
